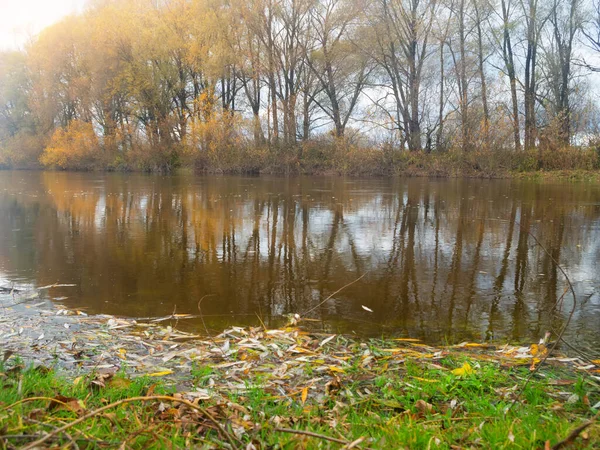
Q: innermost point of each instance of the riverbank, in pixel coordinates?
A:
(98, 381)
(326, 157)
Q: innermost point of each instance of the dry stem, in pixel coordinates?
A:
(189, 404)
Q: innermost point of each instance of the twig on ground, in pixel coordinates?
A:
(189, 404)
(53, 427)
(19, 436)
(33, 399)
(457, 419)
(583, 355)
(576, 432)
(353, 444)
(143, 429)
(318, 436)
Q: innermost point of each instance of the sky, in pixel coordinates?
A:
(21, 19)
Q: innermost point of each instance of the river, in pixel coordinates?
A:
(440, 260)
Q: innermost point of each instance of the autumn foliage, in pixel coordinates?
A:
(73, 147)
(298, 86)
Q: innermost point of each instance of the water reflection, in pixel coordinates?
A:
(443, 259)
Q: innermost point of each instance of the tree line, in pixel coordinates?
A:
(155, 83)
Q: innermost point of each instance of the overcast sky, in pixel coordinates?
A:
(20, 19)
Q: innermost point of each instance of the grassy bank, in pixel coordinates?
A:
(334, 158)
(323, 156)
(499, 163)
(290, 389)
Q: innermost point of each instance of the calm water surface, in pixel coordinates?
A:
(442, 260)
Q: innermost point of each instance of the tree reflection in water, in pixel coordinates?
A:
(446, 260)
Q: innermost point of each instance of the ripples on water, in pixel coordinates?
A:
(444, 260)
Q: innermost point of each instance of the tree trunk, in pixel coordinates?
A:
(464, 95)
(484, 100)
(510, 68)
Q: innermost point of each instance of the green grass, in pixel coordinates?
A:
(110, 429)
(414, 404)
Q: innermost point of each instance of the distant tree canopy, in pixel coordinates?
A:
(152, 82)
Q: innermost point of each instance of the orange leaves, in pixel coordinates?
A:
(73, 147)
(304, 395)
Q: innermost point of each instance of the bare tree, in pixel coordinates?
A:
(565, 23)
(403, 48)
(534, 21)
(339, 67)
(509, 63)
(481, 9)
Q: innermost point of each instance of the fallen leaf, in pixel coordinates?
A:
(60, 402)
(119, 383)
(423, 407)
(471, 345)
(394, 404)
(538, 349)
(160, 374)
(366, 309)
(466, 369)
(561, 382)
(101, 378)
(425, 380)
(326, 340)
(304, 395)
(7, 354)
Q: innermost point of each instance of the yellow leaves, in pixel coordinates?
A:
(408, 352)
(534, 361)
(538, 350)
(73, 147)
(426, 380)
(471, 345)
(304, 395)
(301, 350)
(160, 374)
(466, 369)
(215, 131)
(119, 383)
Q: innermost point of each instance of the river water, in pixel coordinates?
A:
(440, 260)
